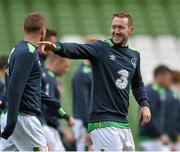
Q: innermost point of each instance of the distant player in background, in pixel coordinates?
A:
(81, 90)
(20, 126)
(176, 90)
(55, 67)
(153, 135)
(116, 69)
(171, 113)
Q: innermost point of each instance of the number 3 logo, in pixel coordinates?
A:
(122, 82)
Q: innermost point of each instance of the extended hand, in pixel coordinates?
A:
(144, 115)
(46, 46)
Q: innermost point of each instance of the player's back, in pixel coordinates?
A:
(23, 75)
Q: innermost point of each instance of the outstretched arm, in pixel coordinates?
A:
(71, 50)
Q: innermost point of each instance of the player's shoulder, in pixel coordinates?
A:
(78, 74)
(134, 51)
(24, 47)
(152, 89)
(107, 43)
(79, 69)
(103, 44)
(96, 43)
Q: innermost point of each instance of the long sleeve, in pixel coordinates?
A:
(49, 101)
(17, 83)
(55, 105)
(78, 51)
(138, 88)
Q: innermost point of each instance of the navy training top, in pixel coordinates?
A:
(115, 70)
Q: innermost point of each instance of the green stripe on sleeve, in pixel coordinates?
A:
(57, 48)
(61, 111)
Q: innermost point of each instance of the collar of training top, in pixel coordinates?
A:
(111, 44)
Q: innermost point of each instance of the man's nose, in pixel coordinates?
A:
(117, 30)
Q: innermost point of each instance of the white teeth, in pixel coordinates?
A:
(117, 36)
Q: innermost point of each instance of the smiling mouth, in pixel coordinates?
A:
(117, 37)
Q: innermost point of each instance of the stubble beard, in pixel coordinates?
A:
(120, 41)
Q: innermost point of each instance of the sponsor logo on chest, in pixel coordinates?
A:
(112, 57)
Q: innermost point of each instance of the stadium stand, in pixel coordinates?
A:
(157, 24)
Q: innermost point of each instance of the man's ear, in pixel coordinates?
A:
(132, 29)
(43, 30)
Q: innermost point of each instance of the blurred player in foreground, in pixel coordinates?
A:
(115, 68)
(23, 91)
(20, 126)
(176, 89)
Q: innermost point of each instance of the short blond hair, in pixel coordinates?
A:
(124, 15)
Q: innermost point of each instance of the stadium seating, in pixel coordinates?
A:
(154, 51)
(151, 17)
(157, 24)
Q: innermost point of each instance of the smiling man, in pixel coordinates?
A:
(116, 69)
